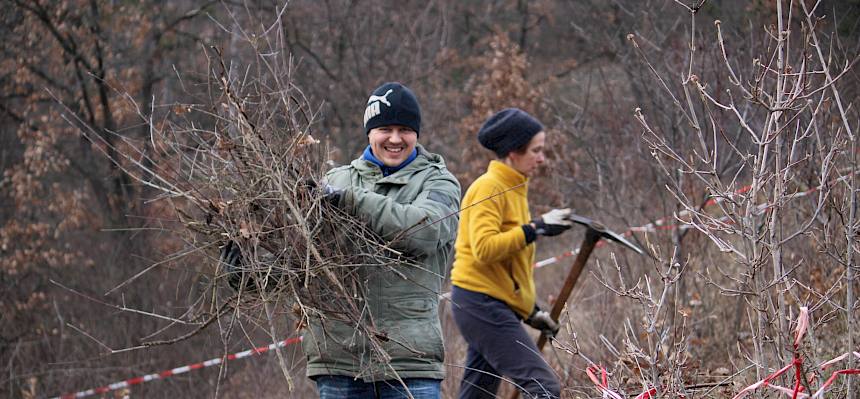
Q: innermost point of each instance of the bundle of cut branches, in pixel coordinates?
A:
(240, 167)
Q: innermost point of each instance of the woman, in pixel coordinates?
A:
(493, 286)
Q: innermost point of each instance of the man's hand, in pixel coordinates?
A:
(541, 320)
(230, 262)
(553, 222)
(330, 193)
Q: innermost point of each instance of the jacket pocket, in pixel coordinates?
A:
(333, 344)
(513, 285)
(413, 329)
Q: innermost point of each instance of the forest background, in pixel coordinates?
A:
(725, 130)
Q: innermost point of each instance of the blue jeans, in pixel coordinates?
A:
(341, 387)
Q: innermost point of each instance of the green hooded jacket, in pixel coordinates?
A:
(424, 198)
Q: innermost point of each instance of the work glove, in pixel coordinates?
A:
(553, 222)
(541, 320)
(330, 193)
(231, 264)
(234, 267)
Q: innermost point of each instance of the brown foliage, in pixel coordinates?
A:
(116, 64)
(501, 83)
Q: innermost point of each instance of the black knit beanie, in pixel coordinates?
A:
(392, 104)
(508, 130)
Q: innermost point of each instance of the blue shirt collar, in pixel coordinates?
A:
(387, 170)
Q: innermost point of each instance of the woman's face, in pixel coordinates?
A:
(528, 162)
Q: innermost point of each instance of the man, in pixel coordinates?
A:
(394, 186)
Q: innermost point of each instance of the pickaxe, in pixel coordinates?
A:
(593, 233)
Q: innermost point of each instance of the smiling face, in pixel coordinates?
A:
(392, 144)
(528, 161)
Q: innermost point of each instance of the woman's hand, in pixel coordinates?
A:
(553, 222)
(541, 320)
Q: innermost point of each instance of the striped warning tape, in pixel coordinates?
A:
(597, 374)
(800, 376)
(663, 223)
(179, 370)
(659, 224)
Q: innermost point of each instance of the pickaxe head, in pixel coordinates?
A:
(604, 232)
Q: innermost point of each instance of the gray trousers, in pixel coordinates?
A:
(498, 346)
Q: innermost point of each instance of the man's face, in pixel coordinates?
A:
(392, 144)
(528, 162)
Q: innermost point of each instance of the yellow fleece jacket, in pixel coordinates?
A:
(491, 254)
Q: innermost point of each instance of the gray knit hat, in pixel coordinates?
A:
(507, 130)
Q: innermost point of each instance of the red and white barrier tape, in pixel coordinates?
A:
(602, 384)
(797, 364)
(179, 370)
(797, 391)
(661, 224)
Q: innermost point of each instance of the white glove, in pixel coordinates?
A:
(557, 216)
(553, 222)
(541, 320)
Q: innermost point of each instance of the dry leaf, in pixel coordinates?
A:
(245, 229)
(308, 140)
